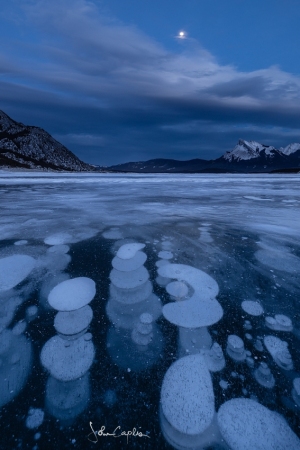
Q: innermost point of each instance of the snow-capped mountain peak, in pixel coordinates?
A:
(245, 150)
(289, 149)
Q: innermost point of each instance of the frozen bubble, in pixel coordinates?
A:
(162, 262)
(113, 233)
(223, 384)
(60, 249)
(166, 245)
(165, 254)
(131, 296)
(279, 260)
(187, 396)
(35, 418)
(58, 239)
(205, 237)
(296, 391)
(211, 438)
(264, 376)
(192, 340)
(162, 281)
(250, 362)
(54, 262)
(72, 294)
(73, 322)
(214, 358)
(67, 360)
(128, 251)
(177, 289)
(235, 348)
(128, 265)
(8, 308)
(16, 356)
(127, 354)
(146, 318)
(279, 322)
(129, 280)
(202, 309)
(50, 281)
(6, 339)
(14, 269)
(248, 336)
(31, 312)
(247, 325)
(279, 352)
(252, 308)
(246, 425)
(258, 345)
(126, 315)
(21, 242)
(19, 328)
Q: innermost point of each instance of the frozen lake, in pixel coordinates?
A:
(191, 337)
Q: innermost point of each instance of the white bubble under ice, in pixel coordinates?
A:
(252, 308)
(187, 396)
(128, 251)
(247, 425)
(72, 294)
(14, 269)
(67, 360)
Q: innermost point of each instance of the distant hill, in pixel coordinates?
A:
(31, 147)
(246, 157)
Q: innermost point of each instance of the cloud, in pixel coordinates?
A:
(91, 79)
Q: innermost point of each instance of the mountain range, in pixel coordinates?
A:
(30, 147)
(246, 157)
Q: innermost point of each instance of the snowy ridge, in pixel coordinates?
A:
(289, 149)
(33, 148)
(245, 150)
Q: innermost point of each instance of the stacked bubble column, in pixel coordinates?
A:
(134, 341)
(69, 355)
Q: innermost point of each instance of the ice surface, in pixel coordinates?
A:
(250, 247)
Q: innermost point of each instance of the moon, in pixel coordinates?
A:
(181, 34)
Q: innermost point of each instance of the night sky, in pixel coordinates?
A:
(131, 80)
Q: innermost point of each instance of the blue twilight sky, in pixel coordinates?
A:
(114, 80)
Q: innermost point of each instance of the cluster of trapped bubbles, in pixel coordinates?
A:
(225, 388)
